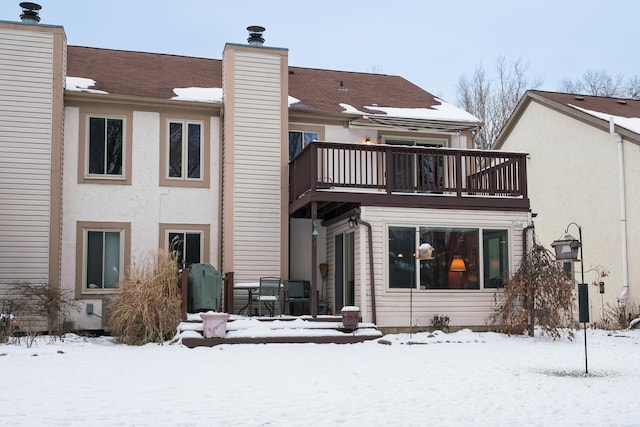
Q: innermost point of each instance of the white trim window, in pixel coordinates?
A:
(299, 139)
(185, 151)
(103, 259)
(105, 150)
(188, 244)
(461, 258)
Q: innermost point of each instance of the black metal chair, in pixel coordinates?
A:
(296, 292)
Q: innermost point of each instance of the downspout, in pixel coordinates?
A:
(622, 298)
(373, 286)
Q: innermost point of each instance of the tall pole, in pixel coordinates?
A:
(583, 300)
(584, 324)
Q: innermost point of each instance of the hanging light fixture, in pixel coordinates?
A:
(566, 248)
(457, 264)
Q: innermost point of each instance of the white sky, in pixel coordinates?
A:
(429, 42)
(458, 379)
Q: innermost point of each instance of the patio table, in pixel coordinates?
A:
(250, 287)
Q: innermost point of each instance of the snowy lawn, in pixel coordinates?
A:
(463, 378)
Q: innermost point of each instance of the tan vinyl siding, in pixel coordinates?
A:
(464, 307)
(257, 159)
(26, 97)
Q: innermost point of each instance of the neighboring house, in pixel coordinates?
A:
(584, 168)
(253, 166)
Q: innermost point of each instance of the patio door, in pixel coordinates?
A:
(344, 271)
(416, 172)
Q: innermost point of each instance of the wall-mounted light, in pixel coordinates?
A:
(353, 221)
(457, 264)
(315, 228)
(367, 140)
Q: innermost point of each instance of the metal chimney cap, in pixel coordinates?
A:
(30, 12)
(255, 35)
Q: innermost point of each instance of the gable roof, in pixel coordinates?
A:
(153, 75)
(593, 110)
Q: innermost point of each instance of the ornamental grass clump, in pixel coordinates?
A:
(147, 306)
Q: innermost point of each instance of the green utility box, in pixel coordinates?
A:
(204, 288)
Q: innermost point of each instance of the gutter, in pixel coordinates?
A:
(622, 298)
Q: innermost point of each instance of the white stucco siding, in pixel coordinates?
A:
(632, 193)
(464, 307)
(586, 158)
(26, 94)
(144, 203)
(257, 213)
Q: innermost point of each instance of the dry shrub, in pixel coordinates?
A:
(147, 306)
(617, 317)
(50, 302)
(538, 294)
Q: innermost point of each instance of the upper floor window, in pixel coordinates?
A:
(105, 150)
(185, 150)
(104, 145)
(300, 139)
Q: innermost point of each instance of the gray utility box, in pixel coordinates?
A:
(204, 288)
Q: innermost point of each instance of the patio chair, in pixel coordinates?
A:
(268, 294)
(296, 292)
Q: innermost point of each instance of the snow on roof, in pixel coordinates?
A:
(291, 100)
(630, 123)
(81, 84)
(199, 94)
(444, 111)
(350, 109)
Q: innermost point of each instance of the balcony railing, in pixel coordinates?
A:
(394, 169)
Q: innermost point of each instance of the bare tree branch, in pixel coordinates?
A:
(493, 100)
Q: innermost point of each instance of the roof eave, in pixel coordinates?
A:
(153, 103)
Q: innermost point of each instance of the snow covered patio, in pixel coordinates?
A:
(279, 329)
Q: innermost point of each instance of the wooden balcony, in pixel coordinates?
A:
(341, 176)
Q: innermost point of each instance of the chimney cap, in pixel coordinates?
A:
(255, 35)
(30, 12)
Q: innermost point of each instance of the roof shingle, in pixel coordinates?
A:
(155, 75)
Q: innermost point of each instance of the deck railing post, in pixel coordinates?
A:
(390, 171)
(228, 292)
(184, 276)
(522, 176)
(313, 167)
(458, 163)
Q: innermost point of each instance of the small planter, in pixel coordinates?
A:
(214, 325)
(350, 317)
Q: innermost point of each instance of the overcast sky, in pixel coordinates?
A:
(432, 43)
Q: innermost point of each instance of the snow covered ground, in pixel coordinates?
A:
(458, 379)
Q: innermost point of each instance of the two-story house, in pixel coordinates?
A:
(256, 167)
